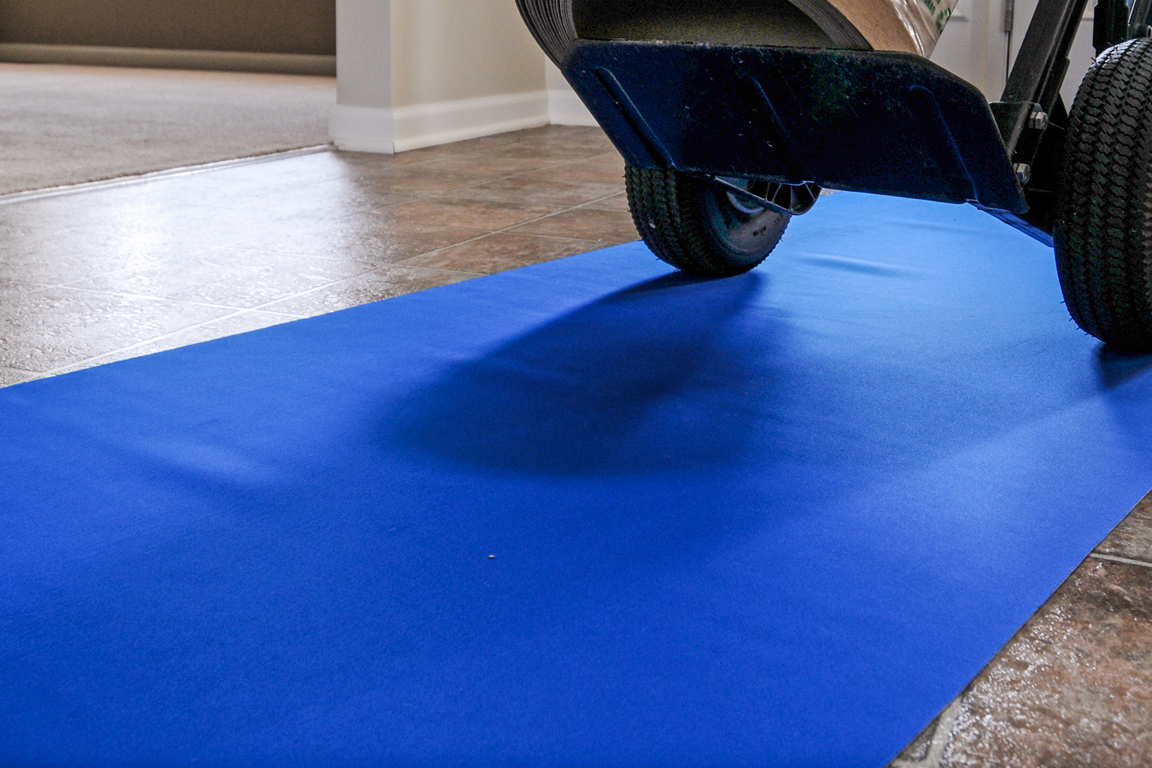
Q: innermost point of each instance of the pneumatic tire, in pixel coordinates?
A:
(699, 227)
(1103, 228)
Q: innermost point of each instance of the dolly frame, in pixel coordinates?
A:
(1013, 166)
(724, 143)
(1031, 114)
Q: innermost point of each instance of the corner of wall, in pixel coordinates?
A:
(564, 106)
(362, 129)
(398, 129)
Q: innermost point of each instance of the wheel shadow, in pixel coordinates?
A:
(632, 383)
(1115, 368)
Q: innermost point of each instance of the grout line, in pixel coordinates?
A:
(92, 362)
(455, 190)
(166, 299)
(187, 170)
(941, 737)
(567, 238)
(507, 230)
(261, 307)
(1124, 560)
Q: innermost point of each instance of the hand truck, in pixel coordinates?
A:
(723, 144)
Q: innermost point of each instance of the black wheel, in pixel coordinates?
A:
(1103, 229)
(703, 228)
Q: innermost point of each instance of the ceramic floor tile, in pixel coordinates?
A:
(362, 289)
(289, 200)
(10, 233)
(500, 252)
(1133, 537)
(370, 238)
(476, 167)
(536, 191)
(600, 226)
(19, 287)
(157, 232)
(68, 255)
(8, 377)
(559, 150)
(241, 322)
(545, 137)
(1073, 689)
(617, 202)
(46, 214)
(421, 155)
(227, 277)
(57, 327)
(102, 207)
(440, 176)
(470, 214)
(602, 169)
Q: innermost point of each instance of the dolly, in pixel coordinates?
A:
(723, 144)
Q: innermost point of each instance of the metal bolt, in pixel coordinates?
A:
(1038, 119)
(1023, 172)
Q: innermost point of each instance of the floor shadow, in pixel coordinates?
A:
(618, 386)
(1114, 368)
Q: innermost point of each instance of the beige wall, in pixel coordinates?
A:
(254, 26)
(444, 50)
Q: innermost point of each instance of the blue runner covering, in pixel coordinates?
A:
(587, 513)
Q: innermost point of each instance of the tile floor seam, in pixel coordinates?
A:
(508, 230)
(599, 200)
(593, 243)
(94, 360)
(518, 173)
(74, 284)
(261, 307)
(515, 174)
(444, 193)
(208, 305)
(1123, 560)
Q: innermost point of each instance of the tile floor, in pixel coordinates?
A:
(125, 270)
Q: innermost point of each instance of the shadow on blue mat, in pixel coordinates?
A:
(1115, 368)
(680, 374)
(577, 396)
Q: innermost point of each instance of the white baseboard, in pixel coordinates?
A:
(368, 129)
(158, 58)
(362, 129)
(565, 108)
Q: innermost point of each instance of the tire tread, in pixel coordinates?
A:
(1103, 230)
(667, 210)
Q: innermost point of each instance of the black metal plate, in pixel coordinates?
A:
(887, 123)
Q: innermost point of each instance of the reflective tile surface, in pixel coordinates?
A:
(128, 269)
(1072, 688)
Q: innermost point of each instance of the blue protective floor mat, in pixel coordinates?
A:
(776, 520)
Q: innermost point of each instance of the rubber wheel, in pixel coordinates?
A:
(699, 227)
(1103, 228)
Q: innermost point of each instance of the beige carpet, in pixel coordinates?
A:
(64, 125)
